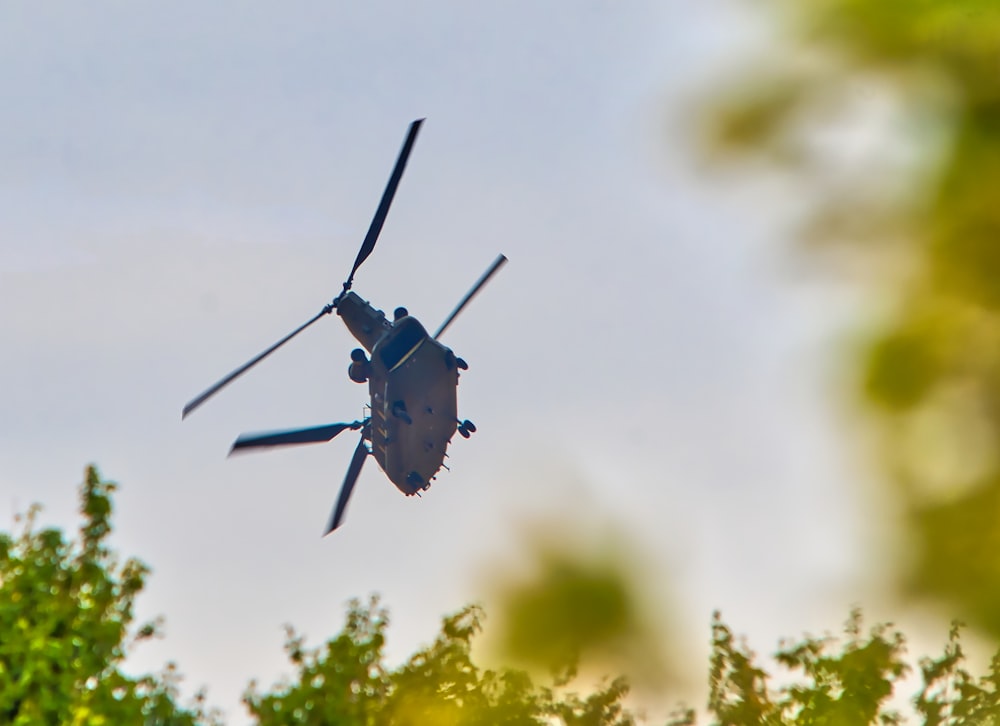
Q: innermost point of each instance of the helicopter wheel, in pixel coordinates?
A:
(469, 426)
(464, 431)
(460, 362)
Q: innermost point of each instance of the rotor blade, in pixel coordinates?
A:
(383, 206)
(311, 435)
(499, 262)
(353, 471)
(205, 395)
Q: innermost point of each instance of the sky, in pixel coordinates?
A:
(181, 184)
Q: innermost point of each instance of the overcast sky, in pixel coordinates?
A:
(183, 183)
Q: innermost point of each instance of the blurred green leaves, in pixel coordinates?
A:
(931, 369)
(346, 681)
(571, 608)
(581, 602)
(851, 680)
(577, 609)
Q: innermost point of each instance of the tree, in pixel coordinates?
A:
(848, 683)
(926, 231)
(66, 623)
(65, 620)
(346, 681)
(66, 626)
(824, 681)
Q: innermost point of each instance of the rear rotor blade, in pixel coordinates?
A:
(353, 471)
(204, 396)
(383, 206)
(499, 262)
(311, 435)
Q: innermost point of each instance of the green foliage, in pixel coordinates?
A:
(738, 691)
(347, 681)
(843, 684)
(342, 682)
(848, 681)
(441, 684)
(951, 697)
(934, 363)
(575, 606)
(849, 687)
(65, 616)
(571, 608)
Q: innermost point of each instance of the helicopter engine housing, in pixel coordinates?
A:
(366, 323)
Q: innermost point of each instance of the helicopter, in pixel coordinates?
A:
(412, 379)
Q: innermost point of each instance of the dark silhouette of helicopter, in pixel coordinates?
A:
(412, 379)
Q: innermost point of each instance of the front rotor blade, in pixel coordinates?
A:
(200, 399)
(499, 262)
(311, 435)
(353, 471)
(383, 206)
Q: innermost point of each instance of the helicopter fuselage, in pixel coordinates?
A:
(412, 380)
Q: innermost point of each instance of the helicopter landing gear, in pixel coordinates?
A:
(466, 428)
(399, 411)
(460, 362)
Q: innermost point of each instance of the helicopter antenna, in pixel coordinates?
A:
(366, 249)
(499, 262)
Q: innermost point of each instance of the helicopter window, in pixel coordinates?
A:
(404, 341)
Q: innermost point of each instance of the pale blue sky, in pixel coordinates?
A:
(182, 183)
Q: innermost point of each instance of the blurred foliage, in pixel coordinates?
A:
(65, 624)
(346, 681)
(850, 681)
(931, 371)
(579, 605)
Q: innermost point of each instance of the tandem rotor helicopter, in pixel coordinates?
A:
(412, 379)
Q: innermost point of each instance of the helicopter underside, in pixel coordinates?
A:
(414, 411)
